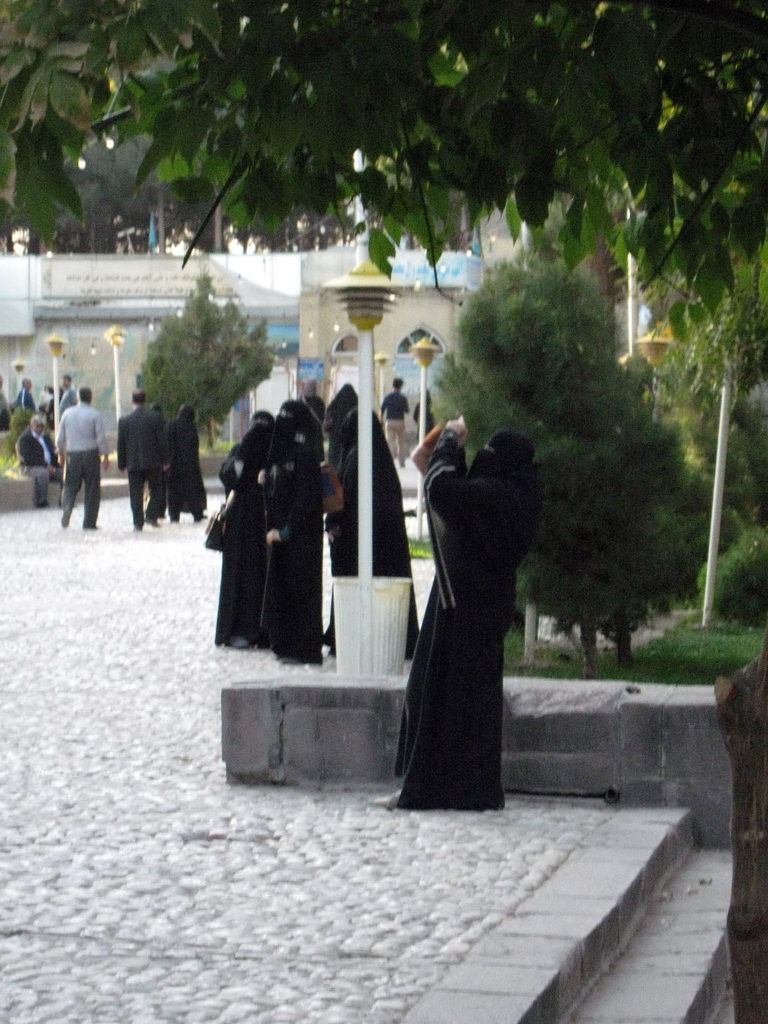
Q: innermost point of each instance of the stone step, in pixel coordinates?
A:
(675, 969)
(537, 965)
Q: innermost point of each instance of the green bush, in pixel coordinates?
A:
(19, 422)
(741, 583)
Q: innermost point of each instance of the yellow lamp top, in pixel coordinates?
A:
(56, 343)
(114, 335)
(363, 291)
(424, 351)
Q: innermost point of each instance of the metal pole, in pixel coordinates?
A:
(365, 459)
(365, 498)
(717, 496)
(55, 396)
(422, 433)
(631, 302)
(116, 354)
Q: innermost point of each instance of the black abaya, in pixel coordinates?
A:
(293, 596)
(186, 491)
(243, 561)
(482, 525)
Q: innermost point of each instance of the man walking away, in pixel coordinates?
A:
(142, 451)
(394, 409)
(81, 441)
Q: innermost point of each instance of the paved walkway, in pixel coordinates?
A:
(136, 887)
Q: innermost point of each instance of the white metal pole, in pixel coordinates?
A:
(422, 433)
(631, 303)
(55, 396)
(364, 461)
(717, 496)
(116, 355)
(365, 499)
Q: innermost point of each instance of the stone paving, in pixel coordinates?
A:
(136, 886)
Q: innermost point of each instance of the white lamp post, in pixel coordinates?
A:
(18, 365)
(56, 344)
(114, 335)
(381, 359)
(717, 496)
(364, 293)
(423, 352)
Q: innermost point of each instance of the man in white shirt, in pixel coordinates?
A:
(81, 441)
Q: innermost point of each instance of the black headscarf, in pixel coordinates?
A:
(293, 426)
(255, 445)
(506, 453)
(185, 430)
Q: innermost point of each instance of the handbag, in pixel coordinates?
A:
(333, 492)
(214, 531)
(217, 525)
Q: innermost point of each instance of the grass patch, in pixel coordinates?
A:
(685, 655)
(420, 548)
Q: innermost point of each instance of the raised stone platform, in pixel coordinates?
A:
(645, 745)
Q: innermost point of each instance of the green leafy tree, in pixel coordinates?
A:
(208, 358)
(660, 105)
(537, 350)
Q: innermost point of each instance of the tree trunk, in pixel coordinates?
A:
(742, 708)
(623, 638)
(588, 633)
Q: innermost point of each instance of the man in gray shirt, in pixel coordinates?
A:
(68, 395)
(80, 441)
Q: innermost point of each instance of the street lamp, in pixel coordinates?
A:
(423, 352)
(18, 365)
(653, 346)
(56, 344)
(364, 292)
(381, 359)
(114, 335)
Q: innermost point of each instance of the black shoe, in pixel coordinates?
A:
(138, 529)
(94, 527)
(42, 504)
(65, 519)
(153, 523)
(238, 642)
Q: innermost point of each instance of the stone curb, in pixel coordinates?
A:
(647, 746)
(681, 944)
(537, 965)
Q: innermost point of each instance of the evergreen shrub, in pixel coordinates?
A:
(741, 583)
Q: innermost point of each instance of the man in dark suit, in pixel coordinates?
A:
(38, 459)
(142, 451)
(24, 399)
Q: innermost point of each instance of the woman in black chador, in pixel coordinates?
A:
(482, 524)
(342, 402)
(391, 556)
(186, 491)
(244, 558)
(293, 612)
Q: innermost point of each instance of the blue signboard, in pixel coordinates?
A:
(311, 369)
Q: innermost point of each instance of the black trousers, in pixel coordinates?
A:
(83, 469)
(153, 479)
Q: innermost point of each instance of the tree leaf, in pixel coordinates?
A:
(70, 100)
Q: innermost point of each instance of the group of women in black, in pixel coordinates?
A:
(271, 576)
(482, 520)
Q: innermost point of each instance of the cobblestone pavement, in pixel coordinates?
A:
(136, 886)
